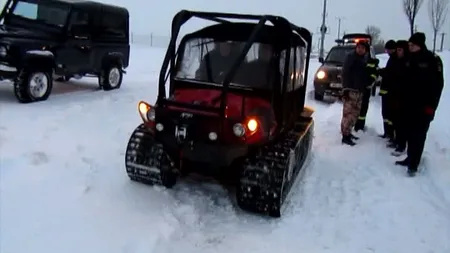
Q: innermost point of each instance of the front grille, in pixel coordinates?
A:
(335, 76)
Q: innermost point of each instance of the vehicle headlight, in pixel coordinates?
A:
(3, 51)
(238, 130)
(151, 115)
(321, 74)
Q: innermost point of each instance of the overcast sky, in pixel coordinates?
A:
(155, 16)
(150, 16)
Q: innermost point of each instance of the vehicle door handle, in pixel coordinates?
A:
(84, 48)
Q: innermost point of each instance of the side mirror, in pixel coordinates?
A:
(79, 30)
(321, 60)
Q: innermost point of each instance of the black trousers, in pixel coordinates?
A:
(361, 122)
(400, 122)
(386, 112)
(416, 138)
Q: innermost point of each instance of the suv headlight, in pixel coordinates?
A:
(321, 74)
(3, 51)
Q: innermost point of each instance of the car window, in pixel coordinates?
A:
(113, 25)
(27, 10)
(44, 12)
(338, 54)
(207, 60)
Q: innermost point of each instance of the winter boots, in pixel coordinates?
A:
(349, 139)
(406, 163)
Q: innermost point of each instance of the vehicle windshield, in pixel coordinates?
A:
(338, 54)
(206, 60)
(44, 12)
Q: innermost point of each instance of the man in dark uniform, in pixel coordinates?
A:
(372, 71)
(355, 80)
(400, 85)
(388, 74)
(425, 83)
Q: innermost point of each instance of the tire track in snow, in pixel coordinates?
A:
(204, 218)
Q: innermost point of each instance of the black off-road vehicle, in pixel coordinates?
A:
(328, 78)
(235, 109)
(43, 40)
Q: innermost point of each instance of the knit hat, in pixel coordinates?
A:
(402, 44)
(418, 39)
(390, 44)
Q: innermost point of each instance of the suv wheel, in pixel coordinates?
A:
(111, 77)
(33, 86)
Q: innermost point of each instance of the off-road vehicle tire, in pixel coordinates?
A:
(111, 76)
(33, 85)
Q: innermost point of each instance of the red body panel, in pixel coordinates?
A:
(235, 102)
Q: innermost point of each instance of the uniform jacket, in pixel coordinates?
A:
(399, 85)
(372, 71)
(425, 82)
(388, 75)
(354, 73)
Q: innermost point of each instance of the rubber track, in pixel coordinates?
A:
(263, 184)
(144, 159)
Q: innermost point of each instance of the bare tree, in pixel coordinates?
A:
(411, 8)
(373, 31)
(377, 41)
(438, 10)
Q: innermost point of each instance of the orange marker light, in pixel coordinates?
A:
(252, 125)
(143, 108)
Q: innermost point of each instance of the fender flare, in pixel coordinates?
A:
(39, 59)
(115, 57)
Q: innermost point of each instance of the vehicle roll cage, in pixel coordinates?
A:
(169, 65)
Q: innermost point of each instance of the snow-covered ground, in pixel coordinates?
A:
(64, 188)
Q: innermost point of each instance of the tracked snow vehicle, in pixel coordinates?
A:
(235, 109)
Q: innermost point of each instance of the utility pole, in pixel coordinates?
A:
(323, 29)
(339, 19)
(442, 41)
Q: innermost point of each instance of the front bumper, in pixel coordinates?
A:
(327, 87)
(217, 154)
(7, 71)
